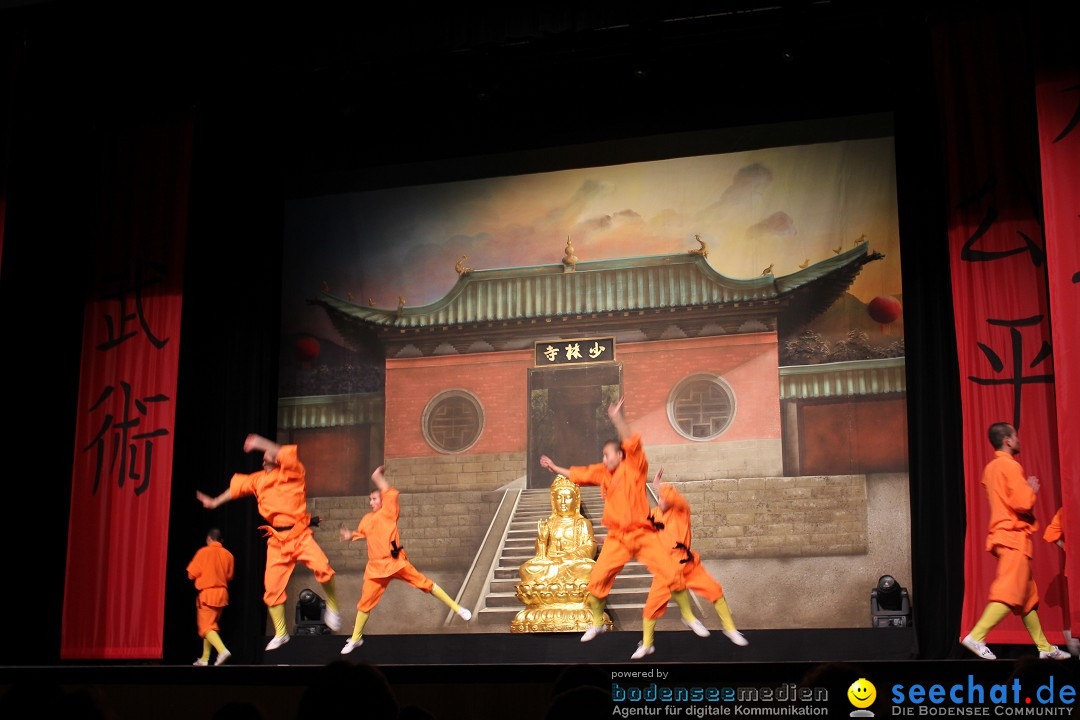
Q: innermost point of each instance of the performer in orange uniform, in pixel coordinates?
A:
(281, 492)
(386, 558)
(1012, 500)
(672, 518)
(622, 477)
(211, 569)
(1055, 533)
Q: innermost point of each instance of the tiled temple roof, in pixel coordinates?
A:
(605, 286)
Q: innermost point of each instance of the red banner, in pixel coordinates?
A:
(998, 268)
(114, 595)
(1057, 95)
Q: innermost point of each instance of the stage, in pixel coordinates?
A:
(561, 649)
(519, 676)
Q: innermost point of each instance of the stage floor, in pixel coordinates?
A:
(520, 676)
(614, 647)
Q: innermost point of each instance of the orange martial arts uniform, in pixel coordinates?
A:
(1055, 530)
(211, 569)
(1011, 525)
(676, 536)
(626, 516)
(281, 495)
(386, 557)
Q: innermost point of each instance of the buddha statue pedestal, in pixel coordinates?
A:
(554, 582)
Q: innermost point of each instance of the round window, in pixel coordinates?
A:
(701, 406)
(453, 421)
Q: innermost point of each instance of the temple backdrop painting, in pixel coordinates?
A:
(747, 305)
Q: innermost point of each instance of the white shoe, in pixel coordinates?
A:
(200, 663)
(642, 651)
(222, 657)
(464, 614)
(695, 625)
(277, 641)
(736, 637)
(979, 648)
(1054, 654)
(592, 632)
(351, 645)
(331, 619)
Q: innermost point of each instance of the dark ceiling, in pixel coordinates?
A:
(404, 82)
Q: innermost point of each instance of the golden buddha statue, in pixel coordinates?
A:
(555, 581)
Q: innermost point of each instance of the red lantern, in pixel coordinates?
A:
(884, 309)
(307, 349)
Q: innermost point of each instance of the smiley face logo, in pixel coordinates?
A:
(862, 693)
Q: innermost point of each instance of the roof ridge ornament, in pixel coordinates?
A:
(461, 268)
(703, 251)
(569, 260)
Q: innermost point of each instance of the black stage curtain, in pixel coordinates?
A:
(934, 420)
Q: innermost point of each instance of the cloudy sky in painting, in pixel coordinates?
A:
(776, 206)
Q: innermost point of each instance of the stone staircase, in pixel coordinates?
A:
(628, 594)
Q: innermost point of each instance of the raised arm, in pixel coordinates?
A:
(379, 478)
(547, 464)
(258, 443)
(619, 420)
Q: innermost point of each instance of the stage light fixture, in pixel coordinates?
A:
(309, 614)
(890, 605)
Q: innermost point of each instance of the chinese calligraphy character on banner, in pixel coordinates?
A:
(1018, 379)
(121, 450)
(116, 327)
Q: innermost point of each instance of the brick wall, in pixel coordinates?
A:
(441, 532)
(498, 380)
(778, 516)
(717, 459)
(438, 529)
(828, 591)
(471, 471)
(748, 363)
(338, 460)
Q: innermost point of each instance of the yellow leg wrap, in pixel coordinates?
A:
(722, 609)
(277, 614)
(597, 606)
(441, 594)
(358, 628)
(647, 629)
(331, 594)
(682, 599)
(213, 639)
(994, 613)
(205, 650)
(1034, 628)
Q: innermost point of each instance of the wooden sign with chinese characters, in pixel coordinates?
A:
(575, 351)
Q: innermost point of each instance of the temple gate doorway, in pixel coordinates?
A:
(568, 418)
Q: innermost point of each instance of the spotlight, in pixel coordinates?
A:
(309, 614)
(889, 604)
